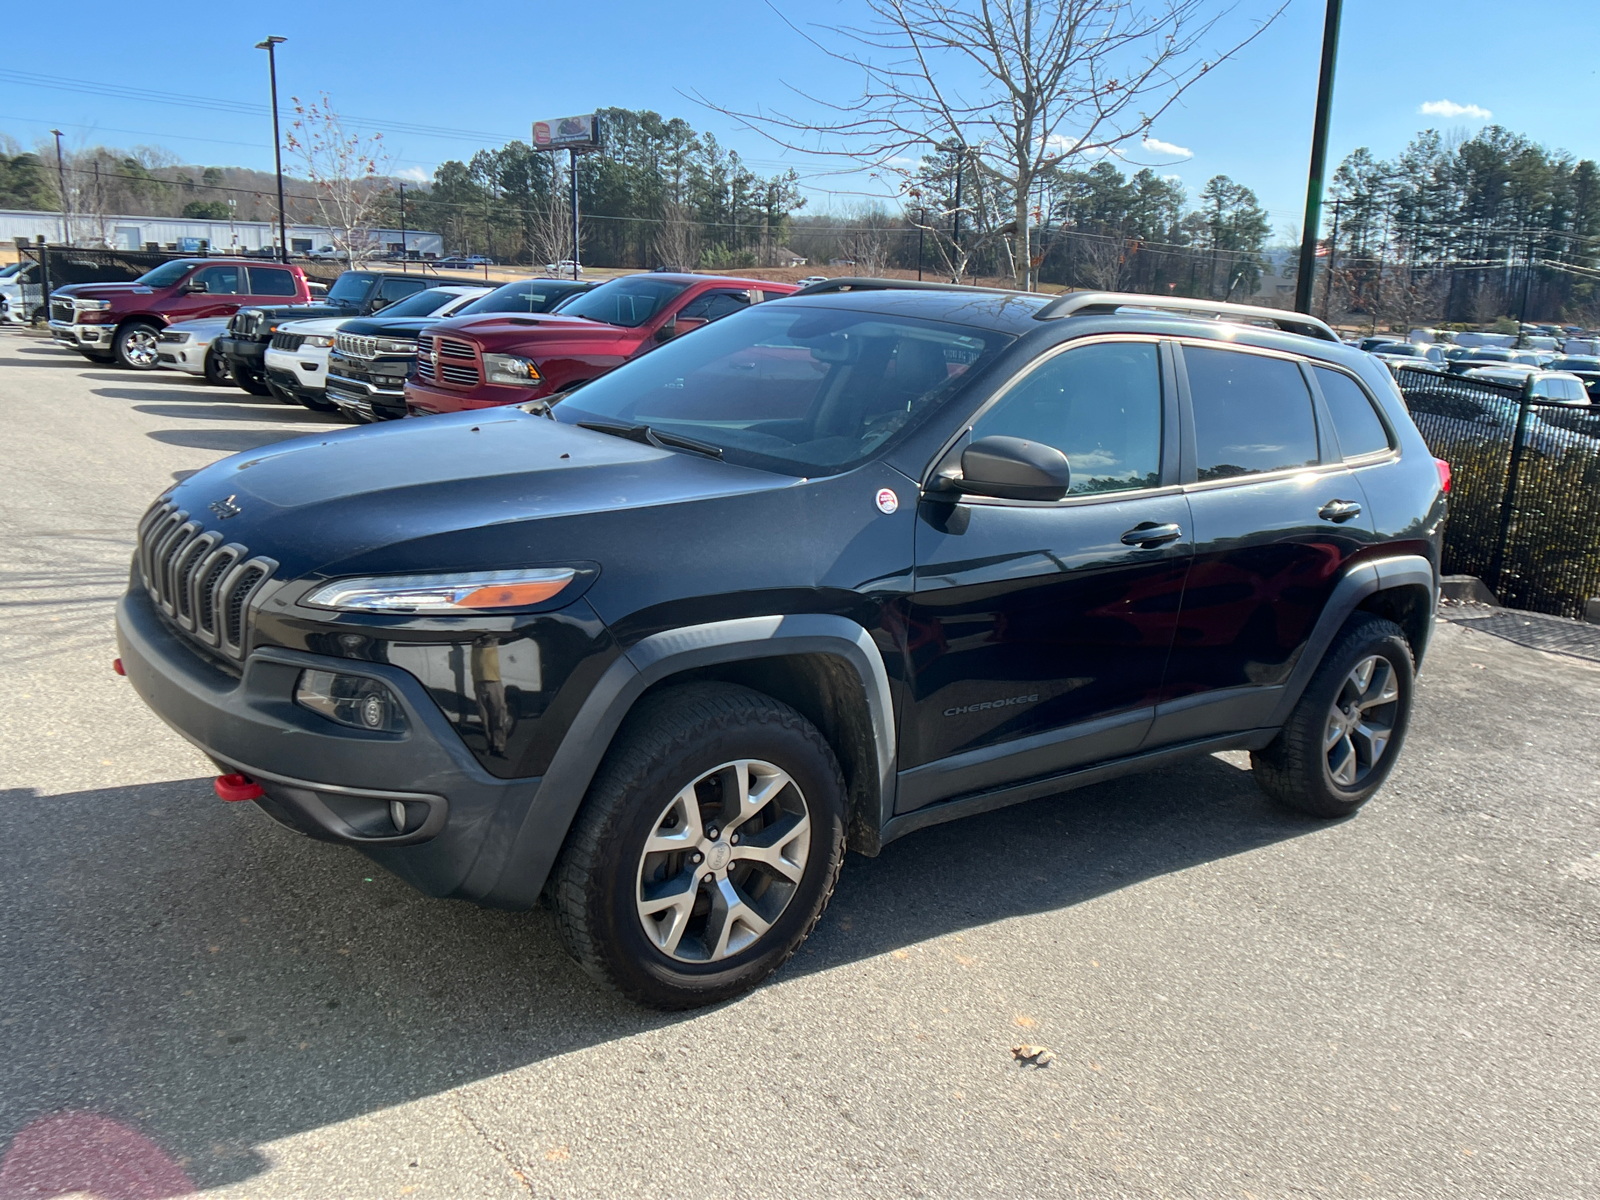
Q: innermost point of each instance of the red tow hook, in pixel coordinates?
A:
(116, 665)
(236, 787)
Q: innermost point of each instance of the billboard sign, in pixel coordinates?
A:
(567, 133)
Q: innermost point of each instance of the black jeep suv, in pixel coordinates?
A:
(838, 567)
(353, 294)
(373, 355)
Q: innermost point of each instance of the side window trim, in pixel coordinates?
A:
(1191, 474)
(1171, 446)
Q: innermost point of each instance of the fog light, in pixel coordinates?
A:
(352, 700)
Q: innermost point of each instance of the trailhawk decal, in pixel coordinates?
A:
(963, 709)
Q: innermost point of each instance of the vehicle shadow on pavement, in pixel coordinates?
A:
(190, 969)
(230, 440)
(239, 412)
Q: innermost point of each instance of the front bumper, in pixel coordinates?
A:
(327, 781)
(362, 399)
(243, 355)
(84, 337)
(423, 400)
(296, 374)
(183, 356)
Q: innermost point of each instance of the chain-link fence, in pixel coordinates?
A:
(1525, 488)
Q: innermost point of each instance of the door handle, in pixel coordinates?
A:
(1147, 535)
(1339, 511)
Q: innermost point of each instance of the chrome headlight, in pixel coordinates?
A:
(397, 346)
(318, 340)
(468, 592)
(92, 305)
(510, 369)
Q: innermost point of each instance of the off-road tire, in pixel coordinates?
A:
(324, 406)
(131, 335)
(256, 387)
(668, 741)
(1293, 769)
(218, 372)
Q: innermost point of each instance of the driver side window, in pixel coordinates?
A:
(1100, 405)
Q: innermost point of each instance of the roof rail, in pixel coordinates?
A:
(1077, 304)
(866, 283)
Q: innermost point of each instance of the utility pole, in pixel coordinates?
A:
(576, 257)
(1319, 159)
(61, 176)
(955, 236)
(922, 220)
(403, 254)
(270, 45)
(1527, 284)
(1333, 252)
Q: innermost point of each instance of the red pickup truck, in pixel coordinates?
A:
(511, 358)
(121, 321)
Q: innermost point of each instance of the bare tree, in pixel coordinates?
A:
(346, 171)
(677, 240)
(1054, 82)
(866, 242)
(1104, 261)
(550, 224)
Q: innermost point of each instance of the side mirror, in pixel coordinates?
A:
(194, 287)
(1011, 468)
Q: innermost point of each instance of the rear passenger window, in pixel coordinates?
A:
(272, 281)
(1354, 419)
(1252, 413)
(1100, 405)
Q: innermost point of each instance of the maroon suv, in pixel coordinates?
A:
(121, 321)
(511, 358)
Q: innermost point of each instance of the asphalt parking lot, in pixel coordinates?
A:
(1240, 1002)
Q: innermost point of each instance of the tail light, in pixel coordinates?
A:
(1444, 475)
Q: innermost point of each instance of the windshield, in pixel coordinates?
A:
(1398, 348)
(1483, 355)
(525, 296)
(166, 274)
(350, 288)
(628, 302)
(420, 304)
(799, 390)
(8, 272)
(1575, 364)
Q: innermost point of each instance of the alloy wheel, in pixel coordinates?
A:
(723, 861)
(1361, 722)
(139, 345)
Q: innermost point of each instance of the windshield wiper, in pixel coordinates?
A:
(651, 437)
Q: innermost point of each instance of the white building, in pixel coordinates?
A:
(187, 235)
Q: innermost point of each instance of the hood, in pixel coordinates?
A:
(393, 327)
(103, 291)
(298, 312)
(505, 329)
(455, 492)
(314, 325)
(200, 326)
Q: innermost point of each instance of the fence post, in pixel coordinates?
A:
(1513, 470)
(44, 285)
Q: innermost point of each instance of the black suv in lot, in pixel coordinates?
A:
(372, 356)
(841, 566)
(353, 294)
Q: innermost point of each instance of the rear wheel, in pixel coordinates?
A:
(218, 372)
(708, 846)
(1343, 737)
(135, 346)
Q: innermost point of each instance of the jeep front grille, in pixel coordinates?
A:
(246, 323)
(356, 345)
(287, 341)
(202, 585)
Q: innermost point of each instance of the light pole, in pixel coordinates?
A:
(61, 176)
(270, 45)
(1319, 159)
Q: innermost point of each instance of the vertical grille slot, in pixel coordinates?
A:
(204, 587)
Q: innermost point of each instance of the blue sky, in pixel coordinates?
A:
(482, 72)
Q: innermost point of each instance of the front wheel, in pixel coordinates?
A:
(314, 404)
(218, 372)
(253, 384)
(135, 346)
(708, 846)
(1343, 737)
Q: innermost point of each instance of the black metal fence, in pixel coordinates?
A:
(1525, 488)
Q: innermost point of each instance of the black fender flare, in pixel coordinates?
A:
(1360, 581)
(543, 830)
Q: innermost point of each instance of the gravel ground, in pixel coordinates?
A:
(1240, 1002)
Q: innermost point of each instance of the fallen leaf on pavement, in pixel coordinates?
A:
(1037, 1056)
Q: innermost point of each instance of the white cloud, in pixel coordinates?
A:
(417, 173)
(1156, 146)
(1449, 108)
